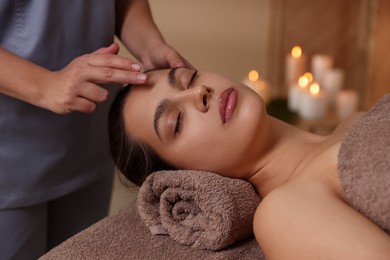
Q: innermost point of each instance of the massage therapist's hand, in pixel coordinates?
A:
(163, 56)
(75, 87)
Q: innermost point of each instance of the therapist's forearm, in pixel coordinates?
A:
(76, 87)
(136, 27)
(20, 78)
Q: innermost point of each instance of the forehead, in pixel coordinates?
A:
(155, 76)
(141, 92)
(141, 102)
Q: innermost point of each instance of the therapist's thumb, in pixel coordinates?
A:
(175, 60)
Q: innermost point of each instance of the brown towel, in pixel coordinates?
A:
(364, 164)
(201, 209)
(124, 236)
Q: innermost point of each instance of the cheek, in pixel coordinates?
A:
(197, 145)
(214, 150)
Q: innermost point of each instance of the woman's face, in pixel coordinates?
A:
(201, 121)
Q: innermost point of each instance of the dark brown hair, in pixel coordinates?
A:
(134, 159)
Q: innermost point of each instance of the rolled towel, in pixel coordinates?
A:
(201, 209)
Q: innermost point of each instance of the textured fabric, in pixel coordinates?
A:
(23, 232)
(44, 155)
(201, 209)
(364, 164)
(124, 236)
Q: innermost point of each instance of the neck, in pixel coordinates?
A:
(288, 148)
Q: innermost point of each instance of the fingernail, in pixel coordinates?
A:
(136, 66)
(141, 77)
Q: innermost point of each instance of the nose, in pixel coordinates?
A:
(199, 96)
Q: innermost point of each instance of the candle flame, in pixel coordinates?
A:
(296, 52)
(309, 76)
(315, 88)
(253, 75)
(303, 82)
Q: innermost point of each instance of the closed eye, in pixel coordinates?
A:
(178, 123)
(192, 80)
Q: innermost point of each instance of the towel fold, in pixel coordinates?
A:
(201, 209)
(364, 164)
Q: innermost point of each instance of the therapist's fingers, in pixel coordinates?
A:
(164, 56)
(104, 75)
(113, 49)
(66, 99)
(93, 92)
(113, 61)
(108, 68)
(187, 64)
(107, 57)
(174, 59)
(82, 104)
(104, 68)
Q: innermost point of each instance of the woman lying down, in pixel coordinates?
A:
(184, 119)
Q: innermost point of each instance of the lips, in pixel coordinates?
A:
(227, 104)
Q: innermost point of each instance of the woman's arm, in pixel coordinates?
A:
(74, 88)
(137, 30)
(21, 79)
(310, 223)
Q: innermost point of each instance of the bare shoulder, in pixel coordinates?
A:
(273, 225)
(297, 222)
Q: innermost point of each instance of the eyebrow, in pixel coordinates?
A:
(163, 105)
(172, 77)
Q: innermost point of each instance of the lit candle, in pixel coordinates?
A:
(309, 77)
(346, 103)
(295, 91)
(259, 86)
(313, 103)
(332, 82)
(295, 65)
(319, 64)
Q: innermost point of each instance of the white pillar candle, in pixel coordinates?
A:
(259, 86)
(293, 97)
(295, 91)
(296, 64)
(332, 83)
(319, 64)
(346, 103)
(313, 104)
